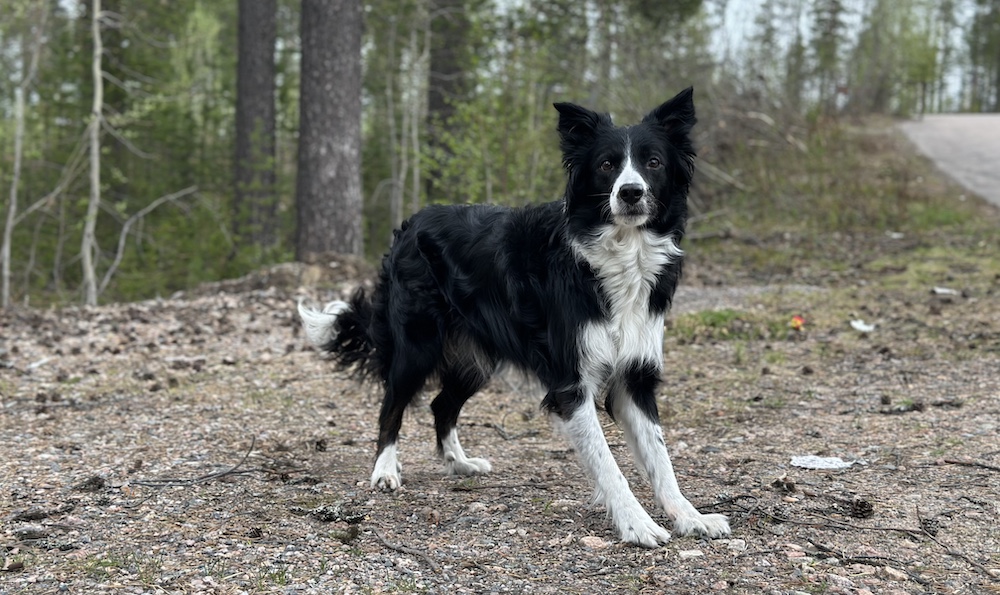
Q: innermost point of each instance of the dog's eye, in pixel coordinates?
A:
(606, 165)
(653, 163)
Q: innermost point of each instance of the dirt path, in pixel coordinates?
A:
(964, 146)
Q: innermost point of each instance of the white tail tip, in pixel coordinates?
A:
(321, 326)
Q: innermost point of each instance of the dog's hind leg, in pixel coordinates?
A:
(404, 381)
(635, 411)
(457, 386)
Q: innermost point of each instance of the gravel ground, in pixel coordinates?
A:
(195, 445)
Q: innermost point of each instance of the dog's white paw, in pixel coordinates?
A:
(467, 467)
(386, 482)
(639, 528)
(709, 525)
(385, 476)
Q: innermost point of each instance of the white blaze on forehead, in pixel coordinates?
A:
(629, 175)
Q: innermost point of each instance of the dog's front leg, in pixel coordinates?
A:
(630, 519)
(645, 439)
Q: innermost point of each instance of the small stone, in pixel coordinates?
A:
(893, 574)
(430, 515)
(31, 532)
(477, 507)
(688, 554)
(594, 542)
(737, 545)
(561, 541)
(564, 504)
(840, 581)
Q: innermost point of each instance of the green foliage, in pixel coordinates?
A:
(772, 153)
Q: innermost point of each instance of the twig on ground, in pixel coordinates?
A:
(957, 553)
(470, 488)
(968, 463)
(407, 550)
(173, 482)
(868, 560)
(922, 532)
(502, 431)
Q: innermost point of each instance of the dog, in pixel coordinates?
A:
(574, 291)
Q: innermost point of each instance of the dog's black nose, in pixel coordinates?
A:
(630, 193)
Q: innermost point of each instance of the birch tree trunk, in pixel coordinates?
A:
(88, 247)
(27, 75)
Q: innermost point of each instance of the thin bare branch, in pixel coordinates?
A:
(164, 483)
(128, 144)
(123, 236)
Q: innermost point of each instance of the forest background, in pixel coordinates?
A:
(147, 146)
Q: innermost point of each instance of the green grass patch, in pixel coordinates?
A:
(727, 325)
(145, 568)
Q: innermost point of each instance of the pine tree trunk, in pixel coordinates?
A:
(449, 63)
(328, 187)
(255, 204)
(88, 247)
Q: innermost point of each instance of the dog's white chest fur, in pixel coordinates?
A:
(626, 262)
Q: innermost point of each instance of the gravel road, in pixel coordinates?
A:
(964, 146)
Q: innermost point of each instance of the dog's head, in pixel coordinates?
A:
(628, 176)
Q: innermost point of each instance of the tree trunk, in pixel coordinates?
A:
(255, 204)
(328, 187)
(88, 247)
(449, 62)
(29, 67)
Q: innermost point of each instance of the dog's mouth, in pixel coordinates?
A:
(630, 215)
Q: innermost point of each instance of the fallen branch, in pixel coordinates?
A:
(968, 463)
(165, 483)
(957, 553)
(878, 561)
(407, 550)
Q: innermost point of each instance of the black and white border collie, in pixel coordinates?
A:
(574, 291)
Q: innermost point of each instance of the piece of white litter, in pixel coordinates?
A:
(814, 462)
(944, 291)
(861, 326)
(688, 554)
(39, 363)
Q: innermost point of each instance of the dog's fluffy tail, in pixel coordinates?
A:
(342, 329)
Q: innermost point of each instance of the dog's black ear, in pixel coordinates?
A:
(676, 115)
(577, 128)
